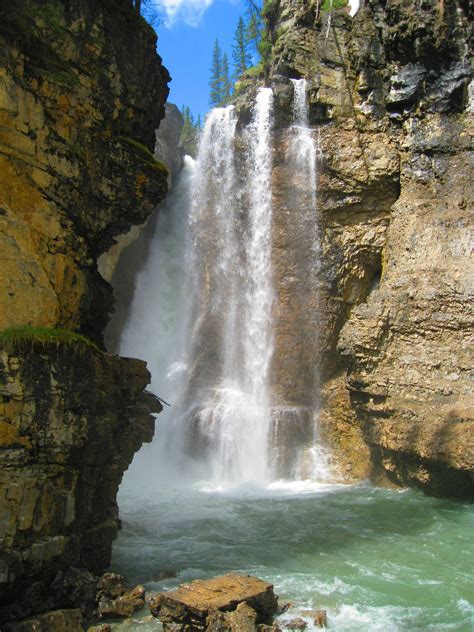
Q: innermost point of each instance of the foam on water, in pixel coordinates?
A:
(374, 559)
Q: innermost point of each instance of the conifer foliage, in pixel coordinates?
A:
(190, 131)
(220, 83)
(241, 57)
(251, 46)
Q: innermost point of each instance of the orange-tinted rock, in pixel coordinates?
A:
(191, 604)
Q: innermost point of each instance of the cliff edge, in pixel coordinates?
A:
(82, 91)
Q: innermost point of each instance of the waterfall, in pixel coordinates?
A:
(294, 439)
(302, 148)
(213, 339)
(226, 407)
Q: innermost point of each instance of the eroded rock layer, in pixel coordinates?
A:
(71, 419)
(82, 91)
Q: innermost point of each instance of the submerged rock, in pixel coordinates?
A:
(319, 617)
(196, 604)
(295, 624)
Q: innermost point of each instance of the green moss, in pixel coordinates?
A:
(143, 149)
(255, 71)
(27, 335)
(157, 165)
(57, 74)
(50, 12)
(336, 4)
(144, 153)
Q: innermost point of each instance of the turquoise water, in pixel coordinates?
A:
(374, 559)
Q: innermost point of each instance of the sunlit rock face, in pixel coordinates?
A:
(78, 112)
(388, 104)
(81, 93)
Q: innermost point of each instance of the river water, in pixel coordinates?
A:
(374, 559)
(208, 496)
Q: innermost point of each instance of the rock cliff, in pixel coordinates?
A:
(82, 91)
(389, 104)
(71, 420)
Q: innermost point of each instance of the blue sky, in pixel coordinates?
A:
(185, 43)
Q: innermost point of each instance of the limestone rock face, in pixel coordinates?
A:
(81, 93)
(386, 327)
(71, 419)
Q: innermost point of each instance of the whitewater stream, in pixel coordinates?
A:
(222, 488)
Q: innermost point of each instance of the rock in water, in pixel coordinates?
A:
(295, 624)
(115, 600)
(192, 604)
(242, 619)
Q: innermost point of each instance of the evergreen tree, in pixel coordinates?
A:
(215, 83)
(255, 24)
(189, 132)
(226, 82)
(240, 50)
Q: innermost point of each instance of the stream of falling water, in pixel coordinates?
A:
(204, 498)
(220, 355)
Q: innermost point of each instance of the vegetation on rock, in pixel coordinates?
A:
(27, 335)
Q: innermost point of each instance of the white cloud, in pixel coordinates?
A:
(189, 11)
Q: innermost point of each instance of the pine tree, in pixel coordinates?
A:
(226, 82)
(215, 83)
(190, 131)
(240, 50)
(255, 25)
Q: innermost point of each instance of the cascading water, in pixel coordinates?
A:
(227, 401)
(225, 426)
(312, 460)
(226, 312)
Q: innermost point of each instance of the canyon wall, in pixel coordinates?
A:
(388, 325)
(389, 101)
(82, 91)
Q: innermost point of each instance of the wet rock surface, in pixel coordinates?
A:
(388, 98)
(82, 91)
(230, 602)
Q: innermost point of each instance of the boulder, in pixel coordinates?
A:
(115, 600)
(54, 621)
(242, 619)
(192, 604)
